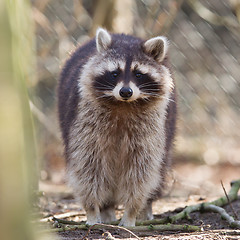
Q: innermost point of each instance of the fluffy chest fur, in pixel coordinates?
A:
(118, 148)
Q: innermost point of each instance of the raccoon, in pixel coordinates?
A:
(117, 112)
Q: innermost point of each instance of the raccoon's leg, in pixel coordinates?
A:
(132, 207)
(129, 217)
(137, 211)
(93, 215)
(146, 212)
(107, 213)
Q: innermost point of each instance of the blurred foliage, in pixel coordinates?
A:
(204, 52)
(18, 172)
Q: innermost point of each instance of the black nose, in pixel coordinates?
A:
(126, 92)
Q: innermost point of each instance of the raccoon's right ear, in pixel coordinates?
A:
(103, 40)
(156, 47)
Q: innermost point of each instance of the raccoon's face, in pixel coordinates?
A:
(127, 69)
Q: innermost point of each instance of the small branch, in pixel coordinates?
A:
(224, 215)
(185, 212)
(143, 223)
(232, 195)
(167, 227)
(230, 204)
(160, 228)
(62, 221)
(155, 224)
(61, 216)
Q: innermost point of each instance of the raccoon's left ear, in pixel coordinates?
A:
(103, 40)
(156, 47)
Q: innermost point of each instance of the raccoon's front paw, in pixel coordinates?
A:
(127, 221)
(146, 213)
(92, 222)
(129, 217)
(93, 217)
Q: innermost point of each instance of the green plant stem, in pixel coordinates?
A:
(232, 195)
(224, 215)
(163, 227)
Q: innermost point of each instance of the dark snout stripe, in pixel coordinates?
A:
(127, 70)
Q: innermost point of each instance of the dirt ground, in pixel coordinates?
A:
(187, 188)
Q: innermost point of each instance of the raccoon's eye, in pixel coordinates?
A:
(138, 75)
(114, 74)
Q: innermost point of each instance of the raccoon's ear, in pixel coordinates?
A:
(103, 40)
(156, 47)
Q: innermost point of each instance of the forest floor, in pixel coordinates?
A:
(187, 188)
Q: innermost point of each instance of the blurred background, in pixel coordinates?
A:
(205, 54)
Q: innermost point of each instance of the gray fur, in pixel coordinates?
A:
(117, 150)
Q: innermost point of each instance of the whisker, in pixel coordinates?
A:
(103, 96)
(150, 89)
(148, 84)
(159, 96)
(146, 99)
(103, 84)
(152, 95)
(169, 99)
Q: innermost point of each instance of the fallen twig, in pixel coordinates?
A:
(156, 224)
(224, 215)
(232, 195)
(230, 204)
(61, 216)
(160, 228)
(167, 227)
(62, 221)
